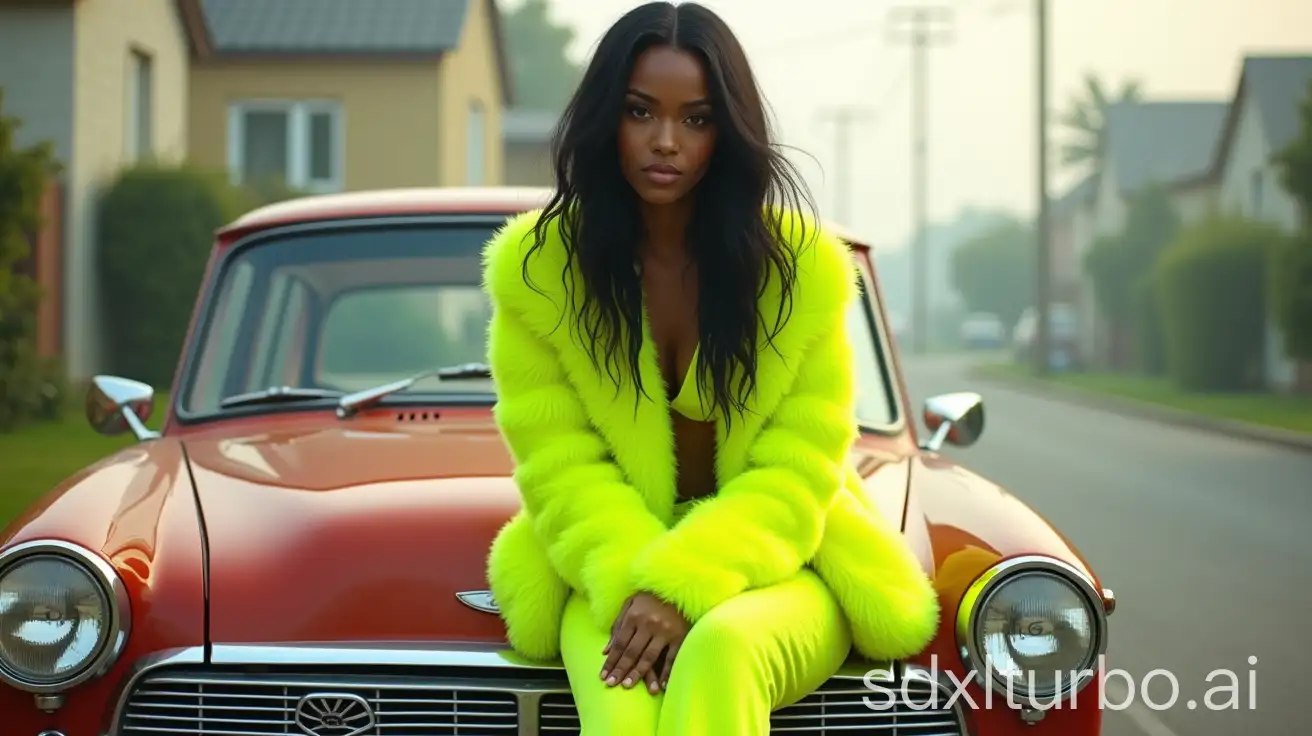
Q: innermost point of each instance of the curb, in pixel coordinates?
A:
(1230, 427)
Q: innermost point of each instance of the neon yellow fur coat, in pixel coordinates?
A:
(598, 480)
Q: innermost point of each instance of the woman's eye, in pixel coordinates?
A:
(637, 111)
(698, 120)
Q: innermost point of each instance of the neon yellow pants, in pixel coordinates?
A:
(762, 650)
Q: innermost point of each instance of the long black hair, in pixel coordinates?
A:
(736, 234)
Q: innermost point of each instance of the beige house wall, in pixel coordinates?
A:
(390, 112)
(470, 77)
(106, 35)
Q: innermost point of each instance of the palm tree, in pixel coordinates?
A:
(1083, 120)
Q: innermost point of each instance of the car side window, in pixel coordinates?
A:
(875, 403)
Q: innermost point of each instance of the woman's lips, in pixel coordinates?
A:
(662, 174)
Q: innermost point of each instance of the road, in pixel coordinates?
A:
(1206, 541)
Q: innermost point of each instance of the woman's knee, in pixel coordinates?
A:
(719, 641)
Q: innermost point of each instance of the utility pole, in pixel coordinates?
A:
(843, 118)
(919, 21)
(1043, 224)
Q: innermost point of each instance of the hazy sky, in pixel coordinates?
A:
(814, 55)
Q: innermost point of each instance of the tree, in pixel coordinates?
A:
(1151, 224)
(1295, 161)
(1292, 282)
(31, 386)
(994, 271)
(1104, 262)
(1085, 121)
(543, 76)
(1121, 269)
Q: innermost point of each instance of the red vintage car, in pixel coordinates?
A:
(301, 548)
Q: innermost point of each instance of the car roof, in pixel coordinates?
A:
(412, 201)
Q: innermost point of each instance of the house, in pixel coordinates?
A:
(526, 135)
(105, 82)
(333, 95)
(325, 95)
(1168, 143)
(1072, 222)
(1263, 119)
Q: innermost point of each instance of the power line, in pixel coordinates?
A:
(925, 25)
(843, 117)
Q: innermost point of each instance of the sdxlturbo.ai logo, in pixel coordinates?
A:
(1159, 689)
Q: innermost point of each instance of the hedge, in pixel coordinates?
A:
(1212, 298)
(156, 230)
(1147, 323)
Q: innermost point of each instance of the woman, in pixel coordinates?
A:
(675, 383)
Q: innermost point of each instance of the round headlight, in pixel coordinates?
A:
(63, 614)
(1032, 628)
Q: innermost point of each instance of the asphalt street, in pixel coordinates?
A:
(1205, 540)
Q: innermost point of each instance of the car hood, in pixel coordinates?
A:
(368, 531)
(360, 533)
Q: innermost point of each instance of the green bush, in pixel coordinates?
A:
(1147, 320)
(1104, 262)
(1211, 286)
(31, 386)
(1292, 294)
(157, 227)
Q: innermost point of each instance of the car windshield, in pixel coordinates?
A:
(320, 311)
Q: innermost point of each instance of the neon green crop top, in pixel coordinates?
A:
(689, 402)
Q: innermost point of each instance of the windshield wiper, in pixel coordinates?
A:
(352, 403)
(278, 395)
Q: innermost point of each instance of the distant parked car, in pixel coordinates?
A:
(1063, 335)
(983, 331)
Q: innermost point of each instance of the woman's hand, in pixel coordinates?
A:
(644, 629)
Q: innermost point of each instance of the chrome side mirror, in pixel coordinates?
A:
(115, 405)
(954, 418)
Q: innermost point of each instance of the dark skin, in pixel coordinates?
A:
(666, 138)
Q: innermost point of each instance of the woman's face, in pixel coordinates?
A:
(666, 134)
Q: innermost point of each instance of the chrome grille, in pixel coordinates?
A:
(238, 704)
(232, 701)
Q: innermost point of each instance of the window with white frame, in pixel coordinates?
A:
(140, 129)
(297, 144)
(475, 145)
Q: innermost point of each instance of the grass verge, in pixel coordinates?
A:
(1290, 412)
(39, 457)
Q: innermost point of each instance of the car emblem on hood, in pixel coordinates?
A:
(479, 600)
(335, 714)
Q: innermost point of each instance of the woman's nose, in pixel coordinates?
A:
(666, 138)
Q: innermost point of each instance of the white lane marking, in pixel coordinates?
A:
(1143, 716)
